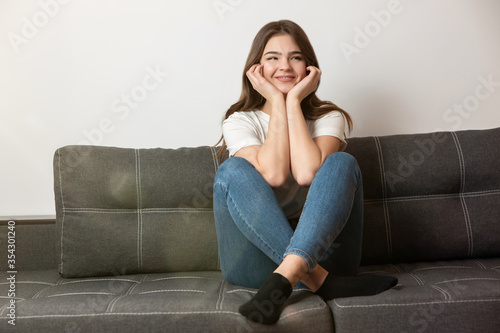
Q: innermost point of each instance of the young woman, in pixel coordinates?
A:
(285, 166)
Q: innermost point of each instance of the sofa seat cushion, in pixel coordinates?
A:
(165, 302)
(443, 296)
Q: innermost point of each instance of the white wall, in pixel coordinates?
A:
(66, 67)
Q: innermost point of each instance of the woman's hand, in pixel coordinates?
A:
(261, 84)
(306, 86)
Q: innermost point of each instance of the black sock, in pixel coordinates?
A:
(266, 306)
(348, 286)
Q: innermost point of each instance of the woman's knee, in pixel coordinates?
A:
(232, 168)
(342, 159)
(342, 164)
(233, 174)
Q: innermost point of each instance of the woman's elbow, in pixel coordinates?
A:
(305, 178)
(276, 179)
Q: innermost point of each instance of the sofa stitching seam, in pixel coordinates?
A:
(216, 166)
(415, 303)
(58, 282)
(218, 305)
(111, 305)
(479, 263)
(31, 282)
(61, 265)
(433, 196)
(384, 196)
(468, 279)
(99, 280)
(440, 267)
(300, 311)
(214, 158)
(446, 295)
(241, 290)
(417, 279)
(2, 309)
(82, 293)
(171, 290)
(462, 198)
(183, 277)
(134, 211)
(400, 268)
(129, 314)
(139, 209)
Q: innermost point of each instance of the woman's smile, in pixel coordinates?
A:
(284, 64)
(285, 78)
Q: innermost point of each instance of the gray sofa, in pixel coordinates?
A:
(134, 249)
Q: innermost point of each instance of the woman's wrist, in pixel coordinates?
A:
(293, 105)
(278, 101)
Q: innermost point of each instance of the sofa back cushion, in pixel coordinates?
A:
(432, 196)
(125, 211)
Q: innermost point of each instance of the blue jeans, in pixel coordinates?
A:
(254, 234)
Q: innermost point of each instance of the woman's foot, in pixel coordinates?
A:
(349, 286)
(266, 306)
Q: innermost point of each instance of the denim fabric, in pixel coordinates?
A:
(254, 235)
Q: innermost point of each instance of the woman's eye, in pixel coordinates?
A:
(297, 58)
(272, 58)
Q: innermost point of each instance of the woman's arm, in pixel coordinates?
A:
(306, 154)
(272, 159)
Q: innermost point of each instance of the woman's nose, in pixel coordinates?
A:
(284, 65)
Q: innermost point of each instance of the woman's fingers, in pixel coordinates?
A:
(314, 73)
(307, 85)
(260, 83)
(253, 75)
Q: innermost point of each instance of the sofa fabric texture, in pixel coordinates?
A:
(154, 204)
(439, 296)
(134, 247)
(430, 196)
(162, 302)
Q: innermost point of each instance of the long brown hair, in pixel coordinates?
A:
(312, 107)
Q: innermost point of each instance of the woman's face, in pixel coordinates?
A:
(284, 64)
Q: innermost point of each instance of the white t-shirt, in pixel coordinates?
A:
(249, 128)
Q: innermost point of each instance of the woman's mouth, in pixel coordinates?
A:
(285, 78)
